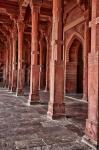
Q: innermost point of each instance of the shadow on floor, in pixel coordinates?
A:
(28, 128)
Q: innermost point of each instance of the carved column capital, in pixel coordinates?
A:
(14, 32)
(35, 7)
(20, 22)
(20, 25)
(22, 13)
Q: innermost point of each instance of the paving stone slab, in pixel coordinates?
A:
(27, 128)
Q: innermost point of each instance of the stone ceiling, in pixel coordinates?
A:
(10, 10)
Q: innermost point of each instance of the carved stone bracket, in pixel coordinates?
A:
(20, 25)
(22, 13)
(35, 5)
(14, 32)
(56, 42)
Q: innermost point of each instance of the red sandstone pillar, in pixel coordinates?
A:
(27, 58)
(4, 69)
(42, 46)
(41, 64)
(10, 64)
(20, 58)
(14, 72)
(7, 67)
(34, 77)
(47, 67)
(4, 72)
(92, 123)
(86, 50)
(49, 49)
(56, 107)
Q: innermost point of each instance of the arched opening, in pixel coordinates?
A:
(74, 68)
(80, 70)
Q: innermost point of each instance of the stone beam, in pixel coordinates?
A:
(74, 23)
(9, 8)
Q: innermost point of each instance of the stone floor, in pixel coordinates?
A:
(27, 128)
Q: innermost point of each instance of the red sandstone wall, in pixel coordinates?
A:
(69, 36)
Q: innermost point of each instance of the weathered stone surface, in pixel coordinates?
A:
(28, 128)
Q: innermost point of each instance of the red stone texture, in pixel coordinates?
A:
(52, 45)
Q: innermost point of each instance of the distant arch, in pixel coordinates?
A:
(74, 65)
(77, 36)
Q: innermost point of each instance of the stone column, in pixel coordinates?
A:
(5, 73)
(7, 66)
(42, 84)
(41, 64)
(19, 91)
(92, 123)
(10, 64)
(56, 107)
(47, 67)
(35, 68)
(29, 62)
(86, 50)
(49, 49)
(14, 71)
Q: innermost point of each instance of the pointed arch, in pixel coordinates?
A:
(74, 36)
(74, 64)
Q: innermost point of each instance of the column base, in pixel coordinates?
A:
(19, 92)
(93, 144)
(56, 111)
(46, 89)
(13, 89)
(9, 88)
(32, 103)
(85, 98)
(91, 137)
(6, 86)
(33, 99)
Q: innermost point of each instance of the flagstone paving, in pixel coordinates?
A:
(25, 127)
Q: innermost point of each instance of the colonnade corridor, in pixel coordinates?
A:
(49, 74)
(27, 128)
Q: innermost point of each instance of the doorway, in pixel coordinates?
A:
(74, 68)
